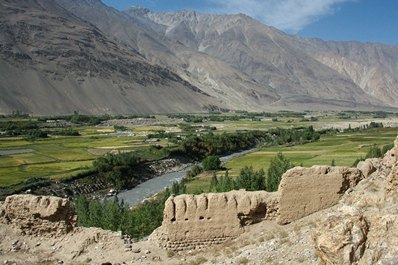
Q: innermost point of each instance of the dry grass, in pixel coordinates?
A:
(297, 229)
(283, 234)
(269, 236)
(285, 240)
(245, 243)
(312, 224)
(301, 260)
(170, 253)
(197, 261)
(242, 260)
(269, 260)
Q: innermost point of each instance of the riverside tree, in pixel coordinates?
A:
(278, 166)
(211, 163)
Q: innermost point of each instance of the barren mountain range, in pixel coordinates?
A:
(57, 56)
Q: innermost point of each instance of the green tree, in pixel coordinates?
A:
(213, 182)
(211, 163)
(178, 188)
(278, 166)
(82, 210)
(259, 183)
(95, 214)
(226, 183)
(250, 180)
(112, 214)
(117, 168)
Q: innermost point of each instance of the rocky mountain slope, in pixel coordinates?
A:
(230, 87)
(87, 56)
(299, 70)
(52, 61)
(373, 67)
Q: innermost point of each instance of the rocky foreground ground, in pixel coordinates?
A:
(360, 229)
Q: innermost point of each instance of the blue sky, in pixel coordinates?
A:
(362, 20)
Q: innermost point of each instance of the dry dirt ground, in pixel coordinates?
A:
(262, 243)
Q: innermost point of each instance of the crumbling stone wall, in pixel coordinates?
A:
(196, 221)
(38, 215)
(308, 190)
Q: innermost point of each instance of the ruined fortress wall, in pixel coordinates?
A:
(307, 190)
(38, 215)
(194, 221)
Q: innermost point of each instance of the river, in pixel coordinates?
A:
(157, 184)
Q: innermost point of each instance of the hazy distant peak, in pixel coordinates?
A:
(90, 2)
(137, 10)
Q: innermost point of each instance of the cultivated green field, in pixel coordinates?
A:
(58, 157)
(343, 148)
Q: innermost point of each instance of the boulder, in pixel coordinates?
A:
(341, 239)
(367, 167)
(382, 240)
(391, 157)
(1, 210)
(392, 180)
(39, 215)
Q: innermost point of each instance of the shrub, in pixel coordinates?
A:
(242, 260)
(194, 171)
(387, 148)
(374, 152)
(211, 163)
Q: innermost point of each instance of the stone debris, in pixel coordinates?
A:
(136, 250)
(342, 237)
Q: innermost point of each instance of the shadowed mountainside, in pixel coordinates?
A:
(65, 55)
(51, 61)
